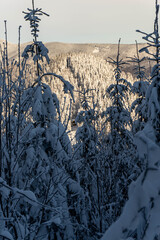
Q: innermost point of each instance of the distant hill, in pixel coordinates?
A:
(104, 50)
(100, 50)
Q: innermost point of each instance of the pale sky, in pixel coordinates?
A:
(81, 21)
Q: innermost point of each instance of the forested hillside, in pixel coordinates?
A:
(85, 71)
(82, 71)
(79, 140)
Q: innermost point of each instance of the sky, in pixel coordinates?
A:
(81, 21)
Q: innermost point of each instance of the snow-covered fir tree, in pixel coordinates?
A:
(50, 189)
(35, 182)
(140, 217)
(139, 88)
(87, 165)
(120, 152)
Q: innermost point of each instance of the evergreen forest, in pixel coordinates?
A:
(79, 141)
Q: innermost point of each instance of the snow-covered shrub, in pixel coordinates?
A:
(119, 149)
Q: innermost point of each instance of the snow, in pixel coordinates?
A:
(51, 188)
(55, 220)
(144, 196)
(6, 234)
(96, 50)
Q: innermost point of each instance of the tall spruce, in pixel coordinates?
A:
(140, 217)
(120, 152)
(139, 88)
(88, 166)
